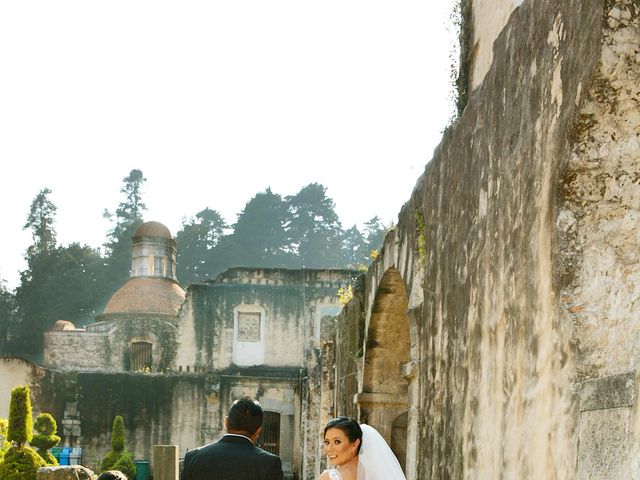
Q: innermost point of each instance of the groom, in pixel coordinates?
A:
(234, 456)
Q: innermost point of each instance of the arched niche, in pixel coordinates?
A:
(384, 395)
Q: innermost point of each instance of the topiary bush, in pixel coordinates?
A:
(20, 462)
(20, 422)
(4, 445)
(46, 437)
(117, 434)
(118, 457)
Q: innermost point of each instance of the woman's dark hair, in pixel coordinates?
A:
(112, 475)
(348, 426)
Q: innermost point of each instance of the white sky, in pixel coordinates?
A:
(215, 101)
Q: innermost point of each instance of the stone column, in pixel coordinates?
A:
(165, 462)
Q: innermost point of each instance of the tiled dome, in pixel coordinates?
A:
(153, 229)
(147, 295)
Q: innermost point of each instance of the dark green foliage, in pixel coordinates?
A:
(197, 240)
(20, 463)
(374, 232)
(42, 297)
(4, 444)
(40, 220)
(127, 219)
(354, 247)
(125, 464)
(260, 235)
(7, 315)
(314, 228)
(46, 437)
(118, 458)
(117, 434)
(20, 421)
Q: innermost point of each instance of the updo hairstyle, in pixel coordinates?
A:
(349, 427)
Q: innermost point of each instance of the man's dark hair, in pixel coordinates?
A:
(112, 475)
(245, 415)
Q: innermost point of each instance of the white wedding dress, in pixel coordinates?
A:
(376, 461)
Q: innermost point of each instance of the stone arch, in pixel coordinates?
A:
(384, 392)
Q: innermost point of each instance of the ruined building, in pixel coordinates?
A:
(171, 363)
(496, 335)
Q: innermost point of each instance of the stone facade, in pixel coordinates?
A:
(251, 332)
(495, 335)
(517, 260)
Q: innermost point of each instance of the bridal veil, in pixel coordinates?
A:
(376, 461)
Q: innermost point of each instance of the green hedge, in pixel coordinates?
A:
(21, 463)
(20, 421)
(118, 458)
(46, 437)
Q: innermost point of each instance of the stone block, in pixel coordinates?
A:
(614, 391)
(605, 444)
(73, 472)
(165, 462)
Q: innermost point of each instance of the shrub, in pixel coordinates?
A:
(20, 463)
(118, 457)
(117, 434)
(20, 422)
(4, 445)
(46, 437)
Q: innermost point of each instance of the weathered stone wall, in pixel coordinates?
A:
(599, 256)
(519, 253)
(105, 345)
(77, 350)
(488, 19)
(16, 371)
(291, 300)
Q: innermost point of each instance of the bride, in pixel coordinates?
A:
(358, 452)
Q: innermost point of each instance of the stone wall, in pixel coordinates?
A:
(77, 350)
(599, 258)
(519, 255)
(488, 19)
(17, 371)
(291, 303)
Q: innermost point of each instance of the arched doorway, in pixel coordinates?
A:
(383, 400)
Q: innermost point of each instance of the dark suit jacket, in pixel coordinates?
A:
(231, 458)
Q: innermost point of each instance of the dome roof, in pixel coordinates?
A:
(153, 229)
(63, 326)
(147, 295)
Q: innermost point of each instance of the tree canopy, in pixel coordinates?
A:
(73, 282)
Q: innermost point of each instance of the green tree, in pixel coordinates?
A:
(40, 221)
(46, 437)
(196, 242)
(354, 248)
(126, 220)
(118, 458)
(7, 316)
(314, 228)
(374, 232)
(58, 284)
(259, 233)
(27, 328)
